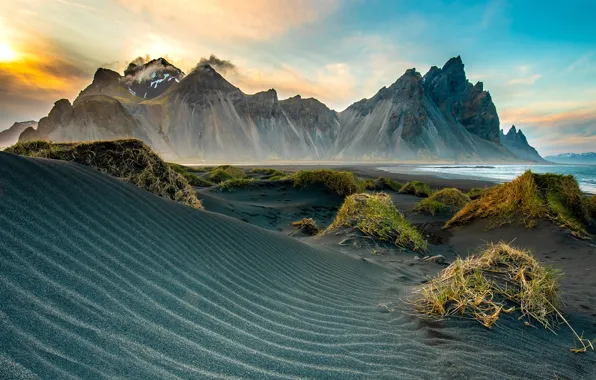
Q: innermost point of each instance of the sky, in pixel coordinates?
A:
(536, 58)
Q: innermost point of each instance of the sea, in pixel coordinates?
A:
(585, 174)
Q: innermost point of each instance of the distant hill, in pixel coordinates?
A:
(516, 142)
(11, 135)
(588, 158)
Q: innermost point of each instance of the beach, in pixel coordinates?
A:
(100, 279)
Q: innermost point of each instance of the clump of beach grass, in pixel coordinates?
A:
(475, 193)
(339, 182)
(306, 225)
(417, 188)
(501, 279)
(129, 159)
(527, 198)
(224, 173)
(591, 204)
(369, 184)
(376, 216)
(236, 183)
(447, 200)
(388, 183)
(187, 173)
(269, 172)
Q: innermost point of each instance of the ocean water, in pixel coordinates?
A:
(585, 174)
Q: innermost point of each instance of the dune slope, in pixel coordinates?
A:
(99, 279)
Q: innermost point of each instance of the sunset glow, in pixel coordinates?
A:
(7, 54)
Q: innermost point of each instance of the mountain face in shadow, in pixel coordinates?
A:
(516, 142)
(438, 116)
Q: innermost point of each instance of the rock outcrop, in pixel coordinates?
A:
(516, 142)
(11, 135)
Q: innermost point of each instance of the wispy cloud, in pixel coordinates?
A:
(525, 80)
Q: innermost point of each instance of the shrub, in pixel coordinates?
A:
(475, 193)
(369, 184)
(341, 183)
(236, 183)
(417, 188)
(527, 198)
(224, 173)
(387, 183)
(307, 226)
(130, 160)
(376, 216)
(448, 200)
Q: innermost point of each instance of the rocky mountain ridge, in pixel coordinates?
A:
(516, 142)
(440, 115)
(11, 135)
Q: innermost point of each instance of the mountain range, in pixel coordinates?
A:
(438, 116)
(588, 158)
(11, 135)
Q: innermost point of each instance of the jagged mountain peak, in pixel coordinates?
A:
(204, 78)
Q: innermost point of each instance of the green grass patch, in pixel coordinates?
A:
(130, 160)
(475, 193)
(236, 183)
(341, 183)
(376, 216)
(420, 189)
(271, 172)
(224, 173)
(369, 184)
(388, 184)
(187, 173)
(527, 198)
(448, 200)
(591, 204)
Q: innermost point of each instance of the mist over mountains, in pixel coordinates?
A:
(438, 116)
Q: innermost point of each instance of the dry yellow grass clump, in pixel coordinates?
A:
(130, 160)
(341, 183)
(448, 200)
(307, 225)
(501, 279)
(527, 198)
(376, 216)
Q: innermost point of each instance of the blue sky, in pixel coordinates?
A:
(538, 59)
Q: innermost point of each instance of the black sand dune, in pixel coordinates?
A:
(99, 279)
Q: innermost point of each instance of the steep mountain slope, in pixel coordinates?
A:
(203, 116)
(517, 143)
(11, 135)
(588, 158)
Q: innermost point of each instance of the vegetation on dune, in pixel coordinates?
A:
(417, 188)
(376, 216)
(130, 160)
(341, 183)
(224, 173)
(387, 183)
(369, 184)
(591, 202)
(307, 226)
(193, 179)
(271, 172)
(448, 200)
(475, 193)
(527, 198)
(501, 279)
(236, 183)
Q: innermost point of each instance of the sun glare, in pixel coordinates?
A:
(6, 53)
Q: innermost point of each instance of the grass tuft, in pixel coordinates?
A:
(236, 183)
(224, 173)
(341, 183)
(417, 188)
(270, 172)
(448, 200)
(475, 193)
(591, 204)
(376, 216)
(130, 160)
(307, 226)
(369, 184)
(527, 198)
(193, 179)
(388, 184)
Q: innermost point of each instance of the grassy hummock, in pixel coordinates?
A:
(341, 183)
(187, 173)
(307, 226)
(387, 183)
(448, 200)
(224, 173)
(475, 193)
(591, 202)
(269, 172)
(376, 216)
(369, 184)
(527, 198)
(236, 183)
(130, 160)
(417, 188)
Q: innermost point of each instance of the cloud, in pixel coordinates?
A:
(525, 80)
(221, 65)
(230, 19)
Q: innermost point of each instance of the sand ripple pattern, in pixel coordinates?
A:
(101, 280)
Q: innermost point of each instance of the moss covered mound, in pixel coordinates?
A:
(341, 183)
(475, 193)
(269, 172)
(500, 279)
(417, 188)
(376, 216)
(527, 198)
(384, 183)
(236, 183)
(187, 173)
(307, 226)
(369, 184)
(224, 173)
(130, 160)
(448, 200)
